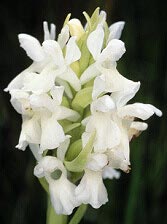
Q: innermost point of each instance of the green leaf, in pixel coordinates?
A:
(87, 17)
(74, 177)
(83, 98)
(95, 18)
(44, 184)
(67, 19)
(106, 33)
(85, 54)
(70, 127)
(78, 164)
(76, 133)
(65, 102)
(78, 214)
(74, 150)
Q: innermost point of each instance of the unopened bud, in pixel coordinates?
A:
(76, 28)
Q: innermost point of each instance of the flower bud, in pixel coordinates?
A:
(76, 28)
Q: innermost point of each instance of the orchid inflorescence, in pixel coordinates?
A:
(75, 116)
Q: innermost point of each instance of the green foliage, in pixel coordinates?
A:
(82, 99)
(78, 164)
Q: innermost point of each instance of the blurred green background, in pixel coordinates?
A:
(139, 197)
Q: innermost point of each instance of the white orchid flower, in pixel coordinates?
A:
(52, 102)
(64, 70)
(62, 191)
(107, 131)
(107, 78)
(49, 64)
(111, 81)
(52, 134)
(112, 53)
(91, 189)
(40, 125)
(124, 117)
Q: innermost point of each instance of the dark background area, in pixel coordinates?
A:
(139, 197)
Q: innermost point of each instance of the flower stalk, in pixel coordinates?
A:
(52, 217)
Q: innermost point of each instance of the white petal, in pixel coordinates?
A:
(49, 35)
(85, 121)
(62, 149)
(135, 128)
(129, 90)
(111, 81)
(95, 42)
(70, 76)
(124, 145)
(110, 173)
(46, 31)
(57, 94)
(32, 47)
(97, 161)
(62, 196)
(17, 82)
(35, 150)
(72, 51)
(140, 126)
(20, 101)
(89, 74)
(116, 30)
(114, 51)
(52, 49)
(67, 88)
(99, 86)
(47, 165)
(52, 133)
(63, 36)
(66, 113)
(107, 132)
(102, 17)
(42, 101)
(103, 104)
(91, 189)
(139, 110)
(85, 138)
(117, 159)
(40, 83)
(22, 141)
(52, 31)
(32, 130)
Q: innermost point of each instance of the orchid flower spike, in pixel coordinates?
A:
(76, 118)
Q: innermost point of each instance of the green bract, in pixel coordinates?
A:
(78, 164)
(82, 99)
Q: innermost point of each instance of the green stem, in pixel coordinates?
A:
(78, 214)
(53, 218)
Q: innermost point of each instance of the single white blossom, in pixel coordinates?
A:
(91, 189)
(61, 190)
(107, 131)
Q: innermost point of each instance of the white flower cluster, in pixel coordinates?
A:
(73, 101)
